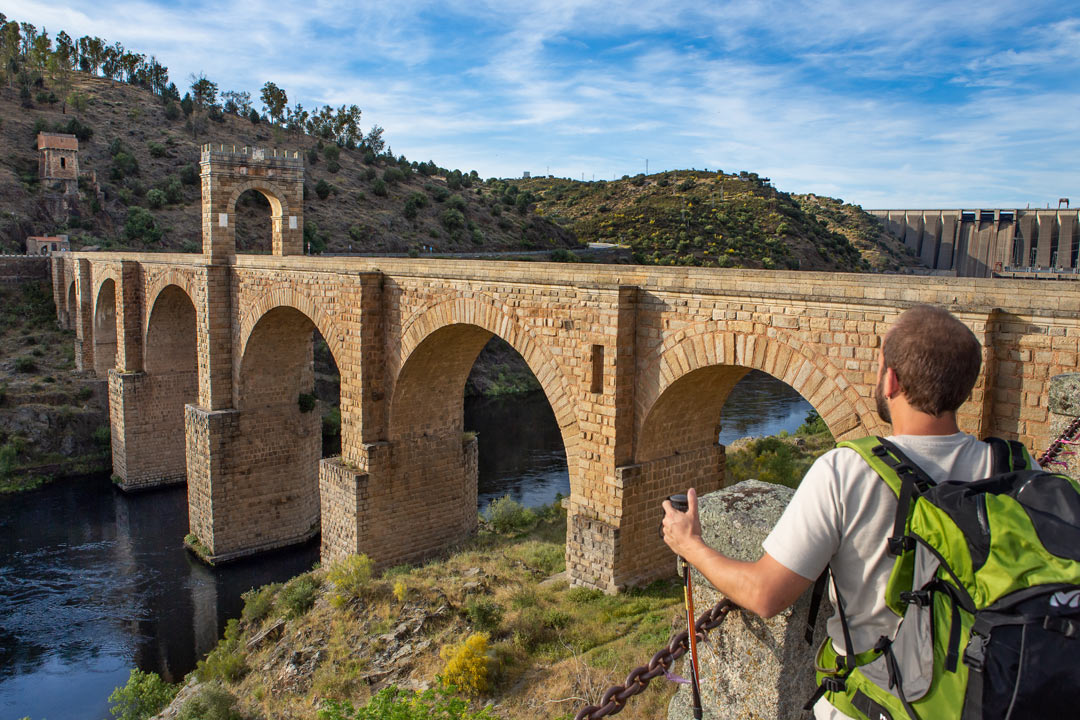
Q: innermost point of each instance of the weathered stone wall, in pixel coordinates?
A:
(252, 478)
(642, 490)
(16, 269)
(416, 499)
(147, 414)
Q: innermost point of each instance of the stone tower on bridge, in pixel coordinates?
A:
(228, 172)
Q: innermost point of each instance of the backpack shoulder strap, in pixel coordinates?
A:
(1008, 456)
(903, 476)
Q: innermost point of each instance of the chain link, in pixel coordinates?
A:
(1066, 438)
(614, 699)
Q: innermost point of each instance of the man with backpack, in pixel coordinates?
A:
(887, 517)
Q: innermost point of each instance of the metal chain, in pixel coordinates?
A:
(614, 699)
(1066, 438)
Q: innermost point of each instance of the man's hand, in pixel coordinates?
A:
(765, 587)
(682, 530)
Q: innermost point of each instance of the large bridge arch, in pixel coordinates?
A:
(147, 407)
(679, 405)
(104, 327)
(467, 324)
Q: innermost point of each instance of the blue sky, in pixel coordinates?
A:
(887, 104)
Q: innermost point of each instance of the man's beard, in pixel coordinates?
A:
(879, 400)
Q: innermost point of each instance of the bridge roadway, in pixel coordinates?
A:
(206, 362)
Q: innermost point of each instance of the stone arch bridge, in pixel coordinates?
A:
(206, 356)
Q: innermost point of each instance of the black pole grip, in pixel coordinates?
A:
(680, 503)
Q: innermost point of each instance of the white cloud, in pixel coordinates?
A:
(939, 103)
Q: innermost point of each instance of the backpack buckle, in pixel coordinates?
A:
(1061, 625)
(900, 545)
(834, 684)
(916, 597)
(975, 652)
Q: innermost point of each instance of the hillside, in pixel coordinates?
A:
(145, 160)
(715, 219)
(133, 147)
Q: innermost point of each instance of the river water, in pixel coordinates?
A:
(94, 581)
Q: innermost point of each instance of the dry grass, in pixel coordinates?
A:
(552, 648)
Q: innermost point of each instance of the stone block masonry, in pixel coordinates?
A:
(636, 363)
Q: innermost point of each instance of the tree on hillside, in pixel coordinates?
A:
(133, 66)
(61, 74)
(9, 51)
(110, 60)
(274, 101)
(65, 50)
(236, 102)
(374, 139)
(157, 77)
(296, 119)
(203, 91)
(91, 54)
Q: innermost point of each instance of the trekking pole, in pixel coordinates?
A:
(680, 503)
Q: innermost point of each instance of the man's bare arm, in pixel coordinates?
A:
(764, 587)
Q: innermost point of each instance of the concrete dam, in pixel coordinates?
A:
(985, 243)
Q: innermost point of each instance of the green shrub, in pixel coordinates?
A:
(9, 456)
(174, 190)
(144, 696)
(124, 164)
(298, 595)
(306, 402)
(484, 614)
(393, 175)
(333, 166)
(452, 219)
(155, 199)
(157, 150)
(438, 192)
(379, 188)
(189, 174)
(171, 111)
(140, 225)
(814, 424)
(25, 365)
(350, 578)
(103, 437)
(457, 202)
(314, 241)
(506, 515)
(210, 703)
(393, 703)
(226, 661)
(258, 603)
(370, 174)
(322, 189)
(331, 152)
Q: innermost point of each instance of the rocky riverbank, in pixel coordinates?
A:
(53, 422)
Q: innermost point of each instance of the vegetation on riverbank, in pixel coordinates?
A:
(491, 625)
(783, 458)
(52, 422)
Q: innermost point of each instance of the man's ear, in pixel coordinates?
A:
(891, 383)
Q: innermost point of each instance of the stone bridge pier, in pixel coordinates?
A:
(209, 362)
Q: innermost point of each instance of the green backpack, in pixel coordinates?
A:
(987, 583)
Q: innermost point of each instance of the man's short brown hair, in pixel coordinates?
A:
(935, 357)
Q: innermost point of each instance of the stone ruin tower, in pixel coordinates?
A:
(58, 171)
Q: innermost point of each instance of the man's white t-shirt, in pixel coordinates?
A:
(842, 515)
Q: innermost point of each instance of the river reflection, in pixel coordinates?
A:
(94, 581)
